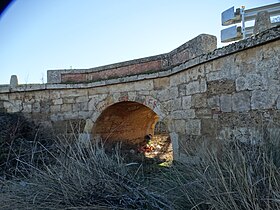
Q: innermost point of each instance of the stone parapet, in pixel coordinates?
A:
(54, 76)
(200, 45)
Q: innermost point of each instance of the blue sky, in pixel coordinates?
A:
(39, 35)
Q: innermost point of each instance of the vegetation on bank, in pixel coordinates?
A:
(52, 173)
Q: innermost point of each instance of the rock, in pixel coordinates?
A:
(262, 22)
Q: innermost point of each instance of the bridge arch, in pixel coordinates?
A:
(130, 122)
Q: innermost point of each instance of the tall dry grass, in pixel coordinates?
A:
(82, 178)
(244, 176)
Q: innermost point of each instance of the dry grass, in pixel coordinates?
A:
(82, 178)
(245, 176)
(242, 176)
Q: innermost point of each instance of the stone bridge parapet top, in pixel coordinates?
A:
(200, 45)
(54, 76)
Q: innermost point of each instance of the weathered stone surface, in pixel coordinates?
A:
(180, 126)
(214, 102)
(225, 103)
(220, 87)
(262, 22)
(208, 127)
(58, 101)
(82, 99)
(164, 95)
(55, 108)
(263, 99)
(144, 85)
(203, 113)
(241, 101)
(186, 102)
(278, 103)
(193, 127)
(199, 101)
(198, 86)
(251, 82)
(13, 81)
(66, 107)
(175, 104)
(183, 114)
(161, 83)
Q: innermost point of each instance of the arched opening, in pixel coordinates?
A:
(133, 126)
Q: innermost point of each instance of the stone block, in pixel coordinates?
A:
(241, 84)
(241, 101)
(66, 107)
(251, 82)
(68, 100)
(82, 99)
(36, 106)
(144, 85)
(186, 102)
(221, 87)
(173, 92)
(195, 73)
(183, 114)
(80, 107)
(45, 106)
(27, 107)
(161, 83)
(163, 95)
(214, 102)
(208, 67)
(208, 127)
(182, 89)
(55, 108)
(84, 114)
(199, 101)
(193, 127)
(13, 81)
(58, 101)
(225, 103)
(131, 95)
(53, 76)
(263, 99)
(278, 103)
(262, 22)
(98, 90)
(177, 79)
(180, 126)
(176, 104)
(199, 86)
(203, 113)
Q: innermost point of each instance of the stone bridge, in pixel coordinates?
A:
(203, 95)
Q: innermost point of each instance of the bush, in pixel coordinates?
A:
(22, 143)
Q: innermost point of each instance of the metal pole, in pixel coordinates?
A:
(242, 12)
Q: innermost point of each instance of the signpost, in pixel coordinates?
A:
(240, 15)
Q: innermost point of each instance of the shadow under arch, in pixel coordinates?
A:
(129, 123)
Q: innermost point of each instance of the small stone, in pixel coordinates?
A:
(14, 81)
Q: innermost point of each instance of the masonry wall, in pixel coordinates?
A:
(231, 93)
